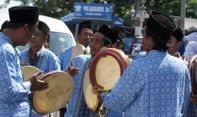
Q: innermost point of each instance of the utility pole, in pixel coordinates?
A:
(183, 13)
(139, 16)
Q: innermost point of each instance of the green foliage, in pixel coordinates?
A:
(54, 8)
(167, 6)
(122, 8)
(191, 9)
(173, 7)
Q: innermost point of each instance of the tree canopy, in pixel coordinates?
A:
(122, 8)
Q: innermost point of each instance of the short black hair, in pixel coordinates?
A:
(160, 43)
(4, 25)
(44, 28)
(84, 24)
(178, 34)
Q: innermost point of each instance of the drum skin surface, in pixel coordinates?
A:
(105, 70)
(78, 49)
(90, 97)
(28, 72)
(59, 91)
(107, 67)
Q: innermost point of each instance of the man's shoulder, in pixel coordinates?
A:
(82, 58)
(7, 48)
(67, 49)
(24, 52)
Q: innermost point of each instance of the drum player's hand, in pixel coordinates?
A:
(72, 70)
(37, 83)
(98, 89)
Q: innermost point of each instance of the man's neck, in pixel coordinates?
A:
(33, 52)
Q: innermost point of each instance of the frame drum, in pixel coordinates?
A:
(90, 97)
(78, 49)
(107, 67)
(28, 72)
(59, 91)
(105, 70)
(193, 79)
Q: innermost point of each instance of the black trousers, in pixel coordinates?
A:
(62, 111)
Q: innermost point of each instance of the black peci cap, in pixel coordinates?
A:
(23, 14)
(160, 24)
(109, 33)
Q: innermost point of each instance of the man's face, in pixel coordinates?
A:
(85, 36)
(28, 33)
(174, 45)
(96, 43)
(38, 39)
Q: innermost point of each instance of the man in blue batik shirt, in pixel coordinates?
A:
(84, 35)
(14, 92)
(156, 85)
(77, 107)
(37, 55)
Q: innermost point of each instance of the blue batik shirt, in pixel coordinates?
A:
(76, 105)
(14, 101)
(46, 60)
(156, 85)
(65, 58)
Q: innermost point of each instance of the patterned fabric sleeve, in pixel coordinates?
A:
(191, 50)
(187, 90)
(76, 104)
(64, 58)
(24, 58)
(12, 87)
(124, 92)
(54, 63)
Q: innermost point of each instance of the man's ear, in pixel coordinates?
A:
(46, 38)
(25, 28)
(150, 42)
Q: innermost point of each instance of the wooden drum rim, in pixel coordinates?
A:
(96, 59)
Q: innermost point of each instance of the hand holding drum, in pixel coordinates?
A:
(34, 75)
(50, 91)
(106, 68)
(37, 83)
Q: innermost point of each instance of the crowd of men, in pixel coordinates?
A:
(155, 83)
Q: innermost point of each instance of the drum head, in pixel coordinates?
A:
(121, 54)
(106, 68)
(59, 91)
(78, 49)
(28, 72)
(90, 98)
(193, 75)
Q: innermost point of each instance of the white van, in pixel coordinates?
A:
(60, 35)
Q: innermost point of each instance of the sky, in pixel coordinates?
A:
(5, 10)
